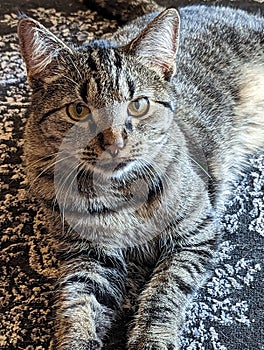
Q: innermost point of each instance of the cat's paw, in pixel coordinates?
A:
(152, 346)
(90, 344)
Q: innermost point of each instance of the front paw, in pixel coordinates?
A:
(90, 344)
(151, 345)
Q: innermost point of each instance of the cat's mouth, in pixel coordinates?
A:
(116, 170)
(131, 187)
(108, 176)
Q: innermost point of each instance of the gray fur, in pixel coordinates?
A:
(205, 84)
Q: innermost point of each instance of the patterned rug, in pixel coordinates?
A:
(227, 314)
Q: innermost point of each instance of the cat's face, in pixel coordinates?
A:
(99, 128)
(107, 112)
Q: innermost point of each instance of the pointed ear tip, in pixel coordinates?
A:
(22, 21)
(25, 20)
(172, 12)
(21, 15)
(25, 25)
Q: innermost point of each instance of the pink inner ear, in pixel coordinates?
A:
(26, 39)
(38, 50)
(157, 44)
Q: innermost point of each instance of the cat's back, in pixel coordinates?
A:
(217, 43)
(205, 22)
(220, 81)
(221, 34)
(208, 19)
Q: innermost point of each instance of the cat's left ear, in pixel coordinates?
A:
(157, 45)
(40, 50)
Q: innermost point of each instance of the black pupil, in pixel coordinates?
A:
(137, 105)
(79, 109)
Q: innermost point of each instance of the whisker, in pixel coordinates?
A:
(193, 160)
(49, 166)
(70, 79)
(46, 157)
(65, 177)
(69, 190)
(161, 175)
(76, 68)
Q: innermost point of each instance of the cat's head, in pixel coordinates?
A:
(101, 116)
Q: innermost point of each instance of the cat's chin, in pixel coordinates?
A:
(124, 169)
(116, 170)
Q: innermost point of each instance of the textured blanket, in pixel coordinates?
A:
(227, 314)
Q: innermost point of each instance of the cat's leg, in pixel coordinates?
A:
(163, 302)
(90, 292)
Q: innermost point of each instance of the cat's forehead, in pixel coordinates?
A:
(106, 74)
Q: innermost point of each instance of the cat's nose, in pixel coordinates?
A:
(112, 141)
(114, 149)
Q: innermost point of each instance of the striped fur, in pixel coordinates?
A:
(136, 208)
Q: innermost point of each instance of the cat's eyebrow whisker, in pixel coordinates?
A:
(70, 79)
(193, 160)
(76, 68)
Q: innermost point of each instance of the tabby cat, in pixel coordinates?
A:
(131, 144)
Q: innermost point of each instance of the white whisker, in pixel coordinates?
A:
(194, 161)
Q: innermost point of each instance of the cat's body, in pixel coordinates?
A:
(151, 187)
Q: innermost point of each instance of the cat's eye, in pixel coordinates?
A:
(78, 111)
(139, 107)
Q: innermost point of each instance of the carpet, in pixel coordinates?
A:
(227, 314)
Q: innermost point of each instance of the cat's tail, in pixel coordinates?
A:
(125, 10)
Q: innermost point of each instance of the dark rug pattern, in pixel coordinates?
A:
(226, 315)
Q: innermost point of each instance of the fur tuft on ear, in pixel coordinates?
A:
(39, 48)
(157, 45)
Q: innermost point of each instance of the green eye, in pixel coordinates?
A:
(138, 107)
(77, 111)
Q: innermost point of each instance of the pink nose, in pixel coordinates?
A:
(114, 148)
(113, 141)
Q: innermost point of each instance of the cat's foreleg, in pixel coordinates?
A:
(90, 292)
(163, 302)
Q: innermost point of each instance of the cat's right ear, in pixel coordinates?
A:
(40, 50)
(157, 44)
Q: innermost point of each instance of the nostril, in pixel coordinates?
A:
(111, 141)
(113, 150)
(100, 138)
